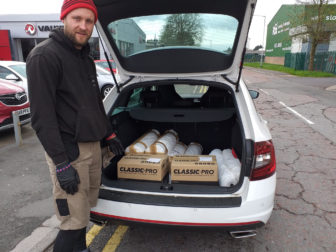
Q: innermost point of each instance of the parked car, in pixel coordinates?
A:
(14, 71)
(190, 83)
(105, 81)
(104, 64)
(12, 98)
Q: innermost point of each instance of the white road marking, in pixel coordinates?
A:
(264, 91)
(296, 113)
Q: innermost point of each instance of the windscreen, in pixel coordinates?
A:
(20, 68)
(215, 32)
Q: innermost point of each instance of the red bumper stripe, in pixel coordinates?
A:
(175, 223)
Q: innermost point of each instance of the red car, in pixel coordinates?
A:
(104, 64)
(12, 98)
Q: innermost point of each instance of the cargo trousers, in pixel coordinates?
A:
(74, 210)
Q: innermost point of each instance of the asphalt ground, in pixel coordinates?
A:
(304, 217)
(25, 187)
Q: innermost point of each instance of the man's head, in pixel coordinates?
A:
(79, 17)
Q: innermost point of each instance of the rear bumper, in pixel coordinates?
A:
(102, 218)
(254, 211)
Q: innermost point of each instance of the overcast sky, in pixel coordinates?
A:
(266, 8)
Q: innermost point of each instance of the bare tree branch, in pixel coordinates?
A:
(311, 22)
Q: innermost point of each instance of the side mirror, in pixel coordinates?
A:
(12, 77)
(254, 94)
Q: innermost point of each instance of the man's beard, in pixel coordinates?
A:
(72, 37)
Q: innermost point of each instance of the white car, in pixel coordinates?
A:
(182, 72)
(14, 71)
(105, 80)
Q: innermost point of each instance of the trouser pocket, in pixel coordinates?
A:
(62, 206)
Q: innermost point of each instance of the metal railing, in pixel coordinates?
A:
(323, 61)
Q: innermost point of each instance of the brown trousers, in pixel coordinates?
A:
(88, 166)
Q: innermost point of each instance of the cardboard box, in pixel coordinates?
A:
(202, 168)
(143, 167)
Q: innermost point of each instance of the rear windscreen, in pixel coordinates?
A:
(215, 32)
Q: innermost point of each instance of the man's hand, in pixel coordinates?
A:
(115, 145)
(67, 177)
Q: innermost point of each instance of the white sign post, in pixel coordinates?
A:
(17, 128)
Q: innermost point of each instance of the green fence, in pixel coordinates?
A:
(252, 57)
(324, 62)
(295, 60)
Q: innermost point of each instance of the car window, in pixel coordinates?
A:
(207, 31)
(104, 64)
(20, 68)
(134, 101)
(4, 72)
(190, 91)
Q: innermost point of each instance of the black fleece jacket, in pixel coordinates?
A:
(66, 105)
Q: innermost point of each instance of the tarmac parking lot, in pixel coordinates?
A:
(304, 216)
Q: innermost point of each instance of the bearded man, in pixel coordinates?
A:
(69, 119)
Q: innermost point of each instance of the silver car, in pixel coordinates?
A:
(105, 81)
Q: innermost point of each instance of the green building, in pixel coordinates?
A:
(286, 32)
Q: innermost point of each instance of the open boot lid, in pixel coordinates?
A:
(176, 38)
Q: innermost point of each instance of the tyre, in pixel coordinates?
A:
(106, 89)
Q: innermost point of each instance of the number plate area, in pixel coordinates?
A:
(24, 111)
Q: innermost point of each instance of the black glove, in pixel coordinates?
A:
(115, 144)
(67, 177)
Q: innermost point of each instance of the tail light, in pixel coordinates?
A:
(265, 160)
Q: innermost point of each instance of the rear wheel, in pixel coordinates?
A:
(106, 89)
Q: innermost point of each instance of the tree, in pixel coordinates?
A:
(228, 50)
(258, 47)
(182, 29)
(313, 24)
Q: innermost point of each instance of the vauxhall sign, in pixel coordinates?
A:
(48, 28)
(31, 29)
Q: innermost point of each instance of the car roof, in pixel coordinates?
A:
(10, 62)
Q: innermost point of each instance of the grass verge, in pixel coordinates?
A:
(288, 70)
